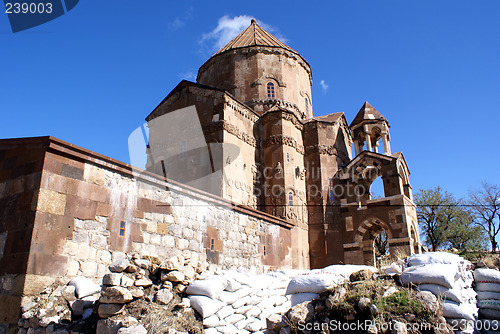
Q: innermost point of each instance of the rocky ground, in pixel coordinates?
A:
(140, 295)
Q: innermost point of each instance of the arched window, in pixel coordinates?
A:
(290, 199)
(270, 90)
(307, 105)
(331, 193)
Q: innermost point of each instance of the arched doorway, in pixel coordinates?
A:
(374, 236)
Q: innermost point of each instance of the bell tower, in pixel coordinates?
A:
(369, 127)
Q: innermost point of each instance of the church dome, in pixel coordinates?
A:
(261, 71)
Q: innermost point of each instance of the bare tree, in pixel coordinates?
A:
(381, 243)
(485, 205)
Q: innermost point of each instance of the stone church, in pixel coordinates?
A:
(254, 105)
(239, 174)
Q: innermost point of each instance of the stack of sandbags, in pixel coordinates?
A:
(235, 301)
(487, 282)
(308, 285)
(449, 277)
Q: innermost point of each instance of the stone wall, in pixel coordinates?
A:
(83, 210)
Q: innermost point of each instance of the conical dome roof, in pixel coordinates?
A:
(254, 35)
(367, 113)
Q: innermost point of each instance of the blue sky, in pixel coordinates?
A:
(431, 67)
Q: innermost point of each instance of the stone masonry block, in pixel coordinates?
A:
(168, 241)
(89, 269)
(182, 244)
(187, 233)
(94, 175)
(162, 228)
(155, 239)
(51, 202)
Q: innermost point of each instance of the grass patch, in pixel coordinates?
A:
(392, 307)
(401, 302)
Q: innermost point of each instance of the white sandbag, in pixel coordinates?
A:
(441, 274)
(84, 286)
(493, 287)
(443, 292)
(489, 303)
(489, 313)
(210, 331)
(314, 282)
(483, 295)
(277, 300)
(280, 291)
(228, 329)
(243, 309)
(212, 321)
(265, 304)
(435, 257)
(346, 269)
(282, 284)
(205, 306)
(486, 275)
(224, 312)
(243, 292)
(298, 298)
(242, 301)
(456, 311)
(240, 325)
(228, 297)
(253, 312)
(208, 287)
(242, 278)
(233, 285)
(263, 293)
(254, 300)
(255, 326)
(234, 318)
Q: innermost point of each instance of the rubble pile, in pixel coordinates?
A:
(138, 295)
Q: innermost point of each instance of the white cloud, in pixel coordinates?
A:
(228, 28)
(324, 86)
(181, 21)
